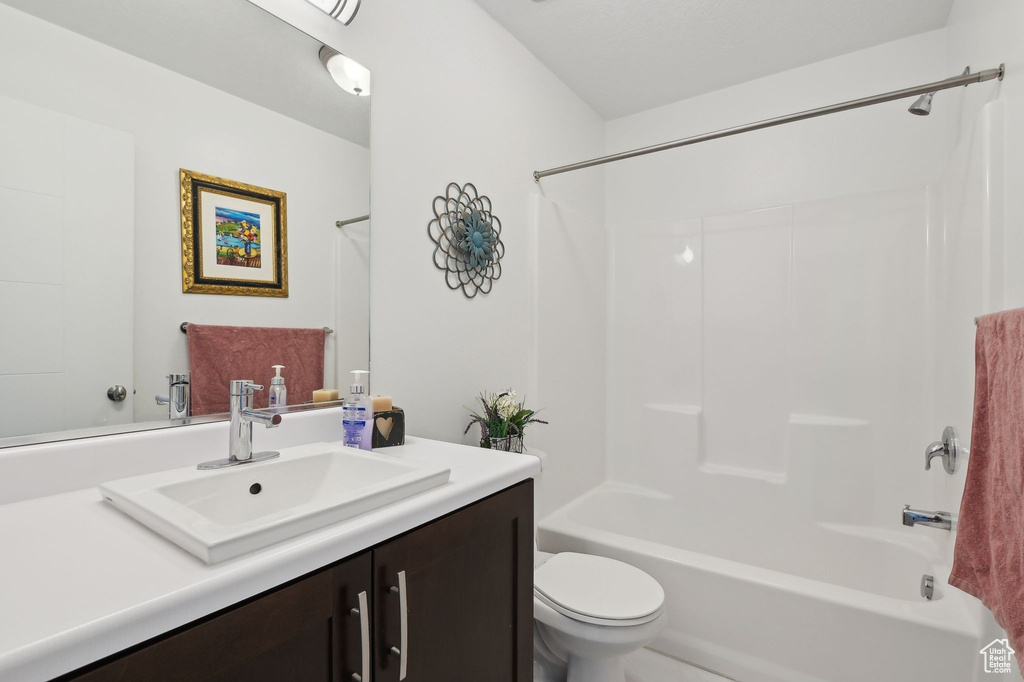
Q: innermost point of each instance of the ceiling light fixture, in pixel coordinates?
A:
(349, 74)
(342, 10)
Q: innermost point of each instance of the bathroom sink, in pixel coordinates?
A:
(220, 514)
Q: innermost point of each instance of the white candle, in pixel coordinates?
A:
(324, 395)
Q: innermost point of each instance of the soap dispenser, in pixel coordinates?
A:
(357, 414)
(278, 391)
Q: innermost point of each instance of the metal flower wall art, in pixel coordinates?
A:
(467, 239)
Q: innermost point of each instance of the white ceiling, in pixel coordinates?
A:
(231, 45)
(625, 56)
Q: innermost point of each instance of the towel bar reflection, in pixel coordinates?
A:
(351, 221)
(184, 328)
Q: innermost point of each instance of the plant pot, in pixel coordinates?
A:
(507, 444)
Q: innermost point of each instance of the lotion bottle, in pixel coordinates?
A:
(357, 414)
(278, 391)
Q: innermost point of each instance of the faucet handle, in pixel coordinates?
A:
(948, 449)
(936, 449)
(244, 387)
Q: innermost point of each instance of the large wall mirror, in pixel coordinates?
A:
(103, 103)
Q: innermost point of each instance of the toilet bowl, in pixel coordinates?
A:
(589, 612)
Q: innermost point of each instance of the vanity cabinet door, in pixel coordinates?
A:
(303, 632)
(467, 597)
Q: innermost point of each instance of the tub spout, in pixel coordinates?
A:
(918, 517)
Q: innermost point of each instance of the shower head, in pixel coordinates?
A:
(922, 106)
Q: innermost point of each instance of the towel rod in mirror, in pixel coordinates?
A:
(183, 325)
(350, 221)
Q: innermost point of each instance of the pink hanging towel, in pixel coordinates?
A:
(988, 561)
(217, 354)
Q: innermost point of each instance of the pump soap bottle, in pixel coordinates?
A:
(357, 414)
(278, 391)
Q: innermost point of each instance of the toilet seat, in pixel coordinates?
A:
(598, 590)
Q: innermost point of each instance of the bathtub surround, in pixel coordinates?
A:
(754, 276)
(986, 562)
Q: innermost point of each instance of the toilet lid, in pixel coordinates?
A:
(598, 587)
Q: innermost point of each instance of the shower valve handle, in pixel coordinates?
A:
(948, 449)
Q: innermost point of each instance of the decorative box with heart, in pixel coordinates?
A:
(389, 428)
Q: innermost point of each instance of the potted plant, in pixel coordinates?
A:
(503, 421)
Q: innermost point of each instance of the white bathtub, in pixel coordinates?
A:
(763, 602)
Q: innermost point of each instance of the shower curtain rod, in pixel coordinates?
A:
(954, 82)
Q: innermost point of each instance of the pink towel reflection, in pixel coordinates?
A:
(218, 354)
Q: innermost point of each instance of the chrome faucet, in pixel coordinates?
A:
(918, 517)
(242, 417)
(177, 398)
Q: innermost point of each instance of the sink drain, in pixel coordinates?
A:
(255, 488)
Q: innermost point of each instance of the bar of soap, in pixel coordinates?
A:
(381, 403)
(324, 395)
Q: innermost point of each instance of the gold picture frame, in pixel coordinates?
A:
(234, 237)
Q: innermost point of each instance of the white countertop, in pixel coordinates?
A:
(79, 580)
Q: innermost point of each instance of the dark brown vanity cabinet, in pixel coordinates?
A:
(302, 632)
(451, 601)
(468, 586)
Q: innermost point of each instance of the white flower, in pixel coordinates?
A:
(506, 405)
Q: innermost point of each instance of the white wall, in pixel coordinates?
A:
(457, 99)
(570, 350)
(848, 153)
(180, 123)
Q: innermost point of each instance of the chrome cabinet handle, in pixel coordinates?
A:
(364, 638)
(402, 650)
(117, 393)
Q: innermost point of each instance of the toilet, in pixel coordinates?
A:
(589, 612)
